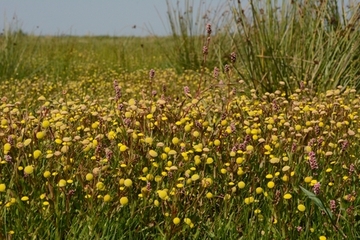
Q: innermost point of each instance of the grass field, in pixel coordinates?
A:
(238, 135)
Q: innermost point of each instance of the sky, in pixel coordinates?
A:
(90, 17)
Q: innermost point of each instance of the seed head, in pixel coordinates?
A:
(152, 73)
(233, 57)
(312, 161)
(208, 29)
(316, 188)
(216, 72)
(332, 206)
(205, 50)
(186, 90)
(227, 68)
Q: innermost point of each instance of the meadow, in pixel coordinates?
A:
(245, 133)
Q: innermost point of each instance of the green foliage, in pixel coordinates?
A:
(302, 41)
(188, 34)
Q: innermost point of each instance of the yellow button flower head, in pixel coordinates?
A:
(258, 190)
(2, 187)
(175, 140)
(47, 174)
(89, 177)
(45, 124)
(62, 183)
(24, 198)
(123, 148)
(153, 154)
(176, 221)
(196, 134)
(163, 194)
(270, 184)
(209, 195)
(36, 154)
(128, 182)
(209, 160)
(100, 186)
(195, 177)
(187, 221)
(301, 207)
(249, 148)
(241, 184)
(124, 201)
(40, 135)
(7, 148)
(249, 200)
(287, 196)
(29, 169)
(27, 142)
(111, 135)
(107, 198)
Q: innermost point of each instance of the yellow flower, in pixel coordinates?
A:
(46, 174)
(40, 135)
(2, 187)
(163, 194)
(7, 147)
(107, 198)
(195, 177)
(36, 154)
(89, 177)
(249, 200)
(123, 148)
(62, 183)
(24, 198)
(270, 184)
(27, 142)
(45, 124)
(111, 135)
(258, 190)
(124, 201)
(128, 182)
(175, 140)
(287, 196)
(322, 238)
(187, 221)
(100, 186)
(176, 221)
(217, 142)
(307, 149)
(29, 169)
(209, 160)
(196, 134)
(249, 148)
(241, 184)
(153, 154)
(301, 207)
(308, 179)
(209, 195)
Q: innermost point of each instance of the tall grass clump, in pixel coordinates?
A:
(187, 28)
(297, 43)
(13, 48)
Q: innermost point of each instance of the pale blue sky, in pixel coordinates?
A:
(95, 17)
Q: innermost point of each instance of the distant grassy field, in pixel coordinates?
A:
(247, 134)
